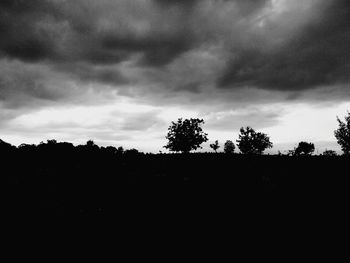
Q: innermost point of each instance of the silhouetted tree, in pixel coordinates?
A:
(185, 135)
(120, 150)
(53, 141)
(110, 150)
(329, 153)
(304, 148)
(90, 143)
(131, 152)
(229, 147)
(342, 134)
(215, 146)
(27, 147)
(252, 142)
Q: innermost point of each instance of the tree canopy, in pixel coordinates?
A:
(185, 135)
(252, 142)
(342, 134)
(304, 148)
(229, 147)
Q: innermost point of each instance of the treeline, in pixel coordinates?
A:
(60, 178)
(187, 135)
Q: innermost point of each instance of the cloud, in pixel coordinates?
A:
(175, 2)
(23, 84)
(112, 124)
(31, 86)
(317, 55)
(141, 122)
(234, 120)
(107, 33)
(29, 30)
(205, 55)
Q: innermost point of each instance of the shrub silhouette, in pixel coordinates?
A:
(342, 134)
(60, 178)
(252, 142)
(229, 147)
(131, 152)
(215, 146)
(329, 153)
(185, 135)
(304, 148)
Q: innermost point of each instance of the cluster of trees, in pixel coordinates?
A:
(52, 146)
(187, 135)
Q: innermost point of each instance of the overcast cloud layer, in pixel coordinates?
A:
(212, 56)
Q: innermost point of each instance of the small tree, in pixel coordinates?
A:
(51, 142)
(90, 143)
(342, 134)
(229, 147)
(120, 150)
(215, 146)
(304, 148)
(252, 142)
(185, 135)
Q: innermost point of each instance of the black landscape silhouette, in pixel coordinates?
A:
(62, 179)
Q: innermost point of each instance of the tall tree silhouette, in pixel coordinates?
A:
(342, 134)
(185, 135)
(252, 142)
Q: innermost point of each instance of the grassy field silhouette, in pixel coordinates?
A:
(62, 179)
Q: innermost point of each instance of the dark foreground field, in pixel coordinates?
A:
(66, 180)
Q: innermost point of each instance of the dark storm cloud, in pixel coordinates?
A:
(26, 87)
(319, 55)
(86, 73)
(157, 49)
(74, 31)
(20, 29)
(176, 2)
(22, 86)
(181, 50)
(106, 32)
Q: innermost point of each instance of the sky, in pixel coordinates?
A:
(120, 71)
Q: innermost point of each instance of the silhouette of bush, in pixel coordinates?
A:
(342, 134)
(329, 153)
(131, 152)
(304, 148)
(109, 150)
(51, 142)
(185, 135)
(252, 142)
(215, 146)
(229, 147)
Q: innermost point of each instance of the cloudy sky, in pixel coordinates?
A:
(119, 71)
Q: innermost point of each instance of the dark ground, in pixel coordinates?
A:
(66, 180)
